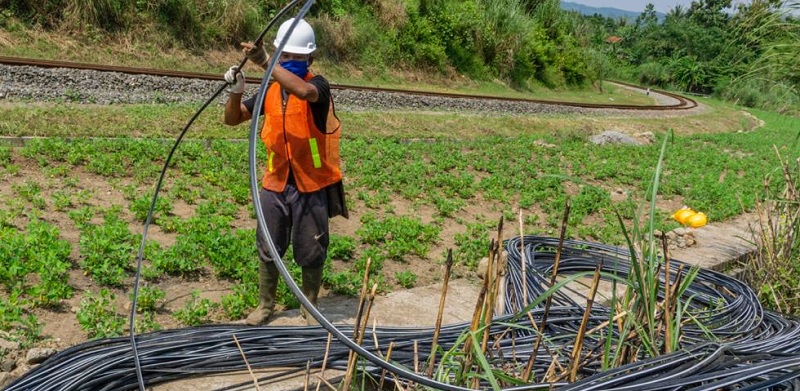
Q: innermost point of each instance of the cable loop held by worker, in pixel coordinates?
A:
(159, 183)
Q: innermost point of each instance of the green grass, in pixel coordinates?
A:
(167, 120)
(425, 193)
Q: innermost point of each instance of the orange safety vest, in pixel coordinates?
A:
(292, 139)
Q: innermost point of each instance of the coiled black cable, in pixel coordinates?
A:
(740, 345)
(764, 355)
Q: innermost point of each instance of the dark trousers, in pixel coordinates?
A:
(299, 218)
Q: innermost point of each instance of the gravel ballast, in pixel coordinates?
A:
(27, 83)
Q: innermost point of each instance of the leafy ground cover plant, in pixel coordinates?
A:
(439, 195)
(98, 316)
(196, 311)
(108, 249)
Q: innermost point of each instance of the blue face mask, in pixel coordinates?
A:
(298, 67)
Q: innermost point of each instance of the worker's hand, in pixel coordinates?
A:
(256, 54)
(235, 78)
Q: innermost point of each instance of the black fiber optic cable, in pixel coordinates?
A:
(254, 189)
(764, 355)
(148, 220)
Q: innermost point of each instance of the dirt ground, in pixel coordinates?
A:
(718, 245)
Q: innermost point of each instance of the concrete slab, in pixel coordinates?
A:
(721, 246)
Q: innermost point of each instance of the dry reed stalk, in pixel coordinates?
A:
(667, 296)
(562, 234)
(327, 383)
(497, 277)
(359, 313)
(576, 350)
(353, 358)
(620, 323)
(437, 328)
(246, 363)
(325, 359)
(475, 324)
(370, 302)
(676, 284)
(416, 362)
(524, 262)
(375, 335)
(388, 357)
(551, 376)
(473, 328)
(604, 324)
(362, 297)
(488, 310)
(307, 376)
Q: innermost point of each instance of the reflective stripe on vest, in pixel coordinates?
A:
(270, 155)
(312, 143)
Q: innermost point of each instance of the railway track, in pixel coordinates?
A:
(681, 102)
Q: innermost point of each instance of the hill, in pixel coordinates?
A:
(608, 12)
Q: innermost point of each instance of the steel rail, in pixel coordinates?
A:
(683, 103)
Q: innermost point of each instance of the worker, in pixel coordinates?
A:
(302, 184)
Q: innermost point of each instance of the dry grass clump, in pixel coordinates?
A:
(772, 270)
(391, 13)
(336, 37)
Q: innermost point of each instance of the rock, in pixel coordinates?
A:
(8, 365)
(645, 137)
(5, 379)
(484, 264)
(38, 355)
(542, 143)
(8, 346)
(617, 137)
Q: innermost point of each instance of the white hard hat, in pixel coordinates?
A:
(302, 40)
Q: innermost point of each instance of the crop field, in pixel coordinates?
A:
(74, 209)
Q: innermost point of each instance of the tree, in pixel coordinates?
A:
(648, 17)
(710, 13)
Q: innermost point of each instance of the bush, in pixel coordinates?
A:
(653, 74)
(108, 15)
(761, 94)
(46, 14)
(421, 43)
(336, 38)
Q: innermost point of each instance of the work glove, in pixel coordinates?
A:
(256, 54)
(235, 79)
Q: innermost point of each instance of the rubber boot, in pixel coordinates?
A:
(268, 278)
(312, 280)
